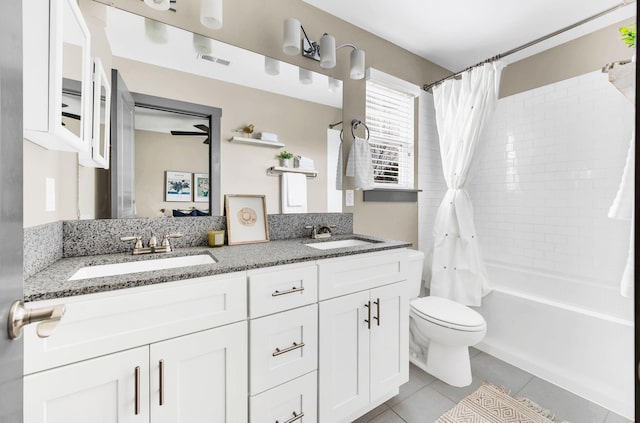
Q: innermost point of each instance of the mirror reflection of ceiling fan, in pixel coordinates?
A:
(69, 115)
(204, 132)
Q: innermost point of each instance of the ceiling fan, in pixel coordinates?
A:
(204, 132)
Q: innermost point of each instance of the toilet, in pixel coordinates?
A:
(444, 328)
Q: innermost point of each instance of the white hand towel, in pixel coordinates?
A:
(360, 164)
(304, 162)
(294, 192)
(339, 168)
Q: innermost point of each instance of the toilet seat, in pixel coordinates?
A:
(447, 313)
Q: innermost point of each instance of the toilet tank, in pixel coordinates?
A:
(416, 259)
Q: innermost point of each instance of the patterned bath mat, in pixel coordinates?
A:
(490, 404)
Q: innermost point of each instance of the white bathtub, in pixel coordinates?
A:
(575, 334)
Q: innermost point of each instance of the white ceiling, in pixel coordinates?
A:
(461, 33)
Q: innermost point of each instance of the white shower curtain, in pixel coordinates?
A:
(462, 107)
(623, 78)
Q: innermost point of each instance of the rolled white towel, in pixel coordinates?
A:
(268, 136)
(303, 162)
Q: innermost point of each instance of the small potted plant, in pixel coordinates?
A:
(628, 35)
(284, 157)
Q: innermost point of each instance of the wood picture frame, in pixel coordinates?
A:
(246, 218)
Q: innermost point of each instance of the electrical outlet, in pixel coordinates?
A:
(348, 200)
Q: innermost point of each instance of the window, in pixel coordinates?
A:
(390, 118)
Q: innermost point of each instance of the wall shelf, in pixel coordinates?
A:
(278, 170)
(255, 141)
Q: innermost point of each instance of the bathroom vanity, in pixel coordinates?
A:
(269, 332)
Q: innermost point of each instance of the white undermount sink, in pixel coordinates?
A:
(140, 266)
(342, 243)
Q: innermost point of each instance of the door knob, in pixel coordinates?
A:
(20, 316)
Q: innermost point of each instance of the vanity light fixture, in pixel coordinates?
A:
(323, 51)
(156, 31)
(271, 66)
(334, 84)
(305, 76)
(211, 13)
(202, 44)
(158, 4)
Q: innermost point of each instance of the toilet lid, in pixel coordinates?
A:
(448, 313)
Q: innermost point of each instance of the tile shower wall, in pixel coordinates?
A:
(547, 169)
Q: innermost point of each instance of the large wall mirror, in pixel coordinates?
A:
(162, 61)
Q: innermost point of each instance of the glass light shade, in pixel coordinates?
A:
(156, 31)
(327, 51)
(202, 45)
(334, 84)
(305, 76)
(357, 64)
(291, 37)
(211, 13)
(271, 66)
(158, 4)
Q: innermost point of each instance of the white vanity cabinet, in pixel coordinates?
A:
(183, 342)
(283, 344)
(364, 335)
(56, 46)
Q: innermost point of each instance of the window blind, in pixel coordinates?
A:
(390, 118)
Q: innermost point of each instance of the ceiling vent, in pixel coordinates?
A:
(213, 59)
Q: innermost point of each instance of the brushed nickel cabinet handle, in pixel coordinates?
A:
(161, 368)
(377, 303)
(295, 417)
(277, 293)
(368, 319)
(295, 346)
(137, 393)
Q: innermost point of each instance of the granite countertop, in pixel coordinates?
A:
(53, 283)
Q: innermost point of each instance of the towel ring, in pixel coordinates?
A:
(354, 125)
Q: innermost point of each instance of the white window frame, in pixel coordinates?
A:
(384, 89)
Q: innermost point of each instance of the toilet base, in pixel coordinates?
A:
(449, 364)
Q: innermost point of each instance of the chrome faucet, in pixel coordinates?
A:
(139, 248)
(321, 232)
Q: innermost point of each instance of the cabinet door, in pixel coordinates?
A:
(99, 390)
(389, 339)
(343, 357)
(201, 377)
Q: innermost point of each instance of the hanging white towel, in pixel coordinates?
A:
(360, 164)
(294, 192)
(339, 168)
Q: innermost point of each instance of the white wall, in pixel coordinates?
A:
(548, 168)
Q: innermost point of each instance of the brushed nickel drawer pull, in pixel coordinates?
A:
(377, 303)
(295, 346)
(295, 417)
(161, 366)
(368, 319)
(277, 293)
(137, 393)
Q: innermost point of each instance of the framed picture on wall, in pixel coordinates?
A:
(201, 187)
(246, 218)
(177, 186)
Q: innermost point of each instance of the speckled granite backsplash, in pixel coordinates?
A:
(42, 247)
(89, 237)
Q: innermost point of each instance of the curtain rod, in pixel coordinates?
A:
(427, 87)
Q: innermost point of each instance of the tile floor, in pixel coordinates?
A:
(424, 398)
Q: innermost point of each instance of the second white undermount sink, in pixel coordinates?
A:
(115, 269)
(341, 243)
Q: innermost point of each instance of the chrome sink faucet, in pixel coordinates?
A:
(322, 232)
(139, 248)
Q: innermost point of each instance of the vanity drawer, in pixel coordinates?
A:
(103, 323)
(282, 347)
(344, 275)
(279, 404)
(281, 288)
